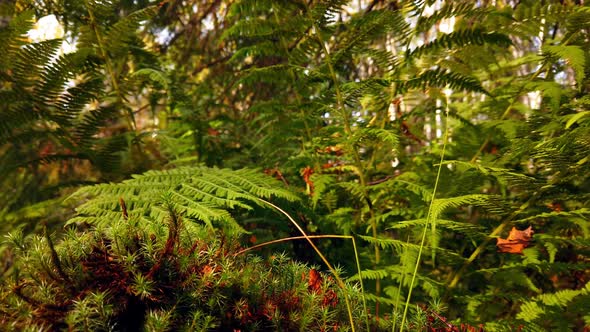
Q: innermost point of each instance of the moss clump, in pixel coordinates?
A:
(136, 275)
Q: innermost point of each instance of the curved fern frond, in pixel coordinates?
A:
(120, 34)
(375, 134)
(461, 38)
(562, 300)
(440, 78)
(490, 202)
(448, 256)
(200, 193)
(573, 55)
(459, 227)
(15, 36)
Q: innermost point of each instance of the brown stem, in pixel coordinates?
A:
(55, 258)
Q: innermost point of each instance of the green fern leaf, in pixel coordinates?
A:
(440, 78)
(573, 55)
(199, 193)
(462, 38)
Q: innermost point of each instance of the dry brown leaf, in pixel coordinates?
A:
(516, 241)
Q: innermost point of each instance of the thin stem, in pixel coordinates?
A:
(292, 76)
(357, 160)
(109, 65)
(291, 238)
(356, 256)
(428, 217)
(358, 268)
(397, 295)
(323, 258)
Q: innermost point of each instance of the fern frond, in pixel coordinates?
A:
(325, 12)
(504, 175)
(530, 18)
(381, 299)
(440, 78)
(581, 213)
(257, 27)
(276, 74)
(400, 246)
(366, 28)
(532, 310)
(31, 59)
(200, 193)
(459, 227)
(153, 75)
(368, 274)
(15, 36)
(321, 182)
(543, 267)
(412, 186)
(121, 33)
(375, 134)
(490, 202)
(354, 90)
(461, 38)
(251, 7)
(90, 123)
(573, 55)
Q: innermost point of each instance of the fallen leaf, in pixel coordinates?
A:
(526, 235)
(516, 241)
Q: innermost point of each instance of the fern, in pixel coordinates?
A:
(462, 38)
(354, 94)
(122, 33)
(200, 193)
(440, 78)
(572, 54)
(570, 301)
(447, 256)
(50, 96)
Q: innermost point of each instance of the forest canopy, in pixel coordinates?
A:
(244, 165)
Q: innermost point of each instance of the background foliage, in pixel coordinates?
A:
(424, 129)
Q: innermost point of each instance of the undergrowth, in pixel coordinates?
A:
(133, 275)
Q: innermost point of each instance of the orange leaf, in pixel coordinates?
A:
(253, 239)
(516, 241)
(555, 206)
(306, 173)
(314, 283)
(207, 270)
(329, 164)
(335, 150)
(525, 235)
